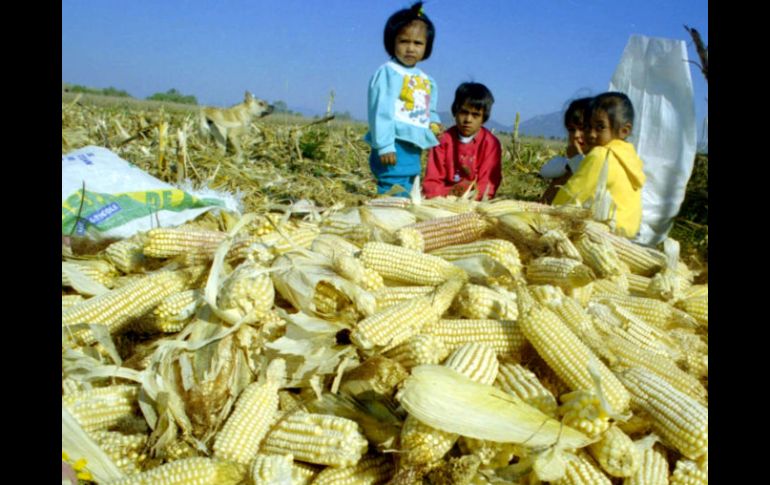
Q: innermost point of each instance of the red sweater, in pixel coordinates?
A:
(453, 163)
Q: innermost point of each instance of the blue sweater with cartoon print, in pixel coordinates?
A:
(401, 106)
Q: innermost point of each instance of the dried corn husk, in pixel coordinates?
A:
(444, 399)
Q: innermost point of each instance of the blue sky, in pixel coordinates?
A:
(533, 55)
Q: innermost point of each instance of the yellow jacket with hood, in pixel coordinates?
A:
(624, 183)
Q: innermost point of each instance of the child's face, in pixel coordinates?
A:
(469, 119)
(599, 130)
(410, 43)
(576, 136)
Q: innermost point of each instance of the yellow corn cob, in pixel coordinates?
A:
(605, 286)
(491, 454)
(189, 471)
(565, 353)
(356, 233)
(265, 224)
(70, 385)
(254, 412)
(630, 353)
(563, 272)
(676, 417)
(499, 250)
(317, 438)
(249, 246)
(569, 311)
(580, 470)
(480, 302)
(103, 407)
(695, 291)
(330, 244)
(371, 470)
(291, 237)
(499, 207)
(303, 473)
(392, 326)
(476, 361)
(125, 450)
(408, 266)
(687, 472)
(583, 411)
(410, 238)
(559, 245)
(615, 320)
(655, 312)
(599, 255)
(98, 270)
(352, 269)
(118, 307)
(398, 202)
(167, 242)
(637, 284)
(328, 300)
(582, 294)
(423, 444)
(175, 310)
(396, 324)
(172, 314)
(504, 336)
(70, 300)
(697, 307)
(652, 470)
(177, 450)
(390, 295)
(271, 469)
(247, 289)
(640, 260)
(442, 231)
(127, 254)
(418, 350)
(664, 285)
(616, 453)
(694, 352)
(518, 380)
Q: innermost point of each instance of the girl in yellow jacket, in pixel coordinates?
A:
(610, 119)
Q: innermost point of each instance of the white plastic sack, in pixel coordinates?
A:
(121, 199)
(655, 74)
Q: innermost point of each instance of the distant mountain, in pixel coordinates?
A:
(547, 126)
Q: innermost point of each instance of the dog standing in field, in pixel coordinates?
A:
(230, 123)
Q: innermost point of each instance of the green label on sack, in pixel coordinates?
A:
(107, 211)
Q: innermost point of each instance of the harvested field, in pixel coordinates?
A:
(380, 340)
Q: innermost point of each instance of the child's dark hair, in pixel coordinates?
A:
(476, 95)
(576, 112)
(617, 106)
(401, 19)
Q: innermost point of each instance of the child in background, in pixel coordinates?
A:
(610, 120)
(467, 151)
(402, 102)
(560, 169)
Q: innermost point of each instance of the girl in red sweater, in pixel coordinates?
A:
(467, 152)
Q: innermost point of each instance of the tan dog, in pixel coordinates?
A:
(229, 123)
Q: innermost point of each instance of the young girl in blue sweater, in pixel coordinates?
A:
(402, 102)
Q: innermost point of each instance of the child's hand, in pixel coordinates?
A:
(436, 128)
(573, 149)
(388, 158)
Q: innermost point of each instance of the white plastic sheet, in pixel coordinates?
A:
(655, 74)
(120, 199)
